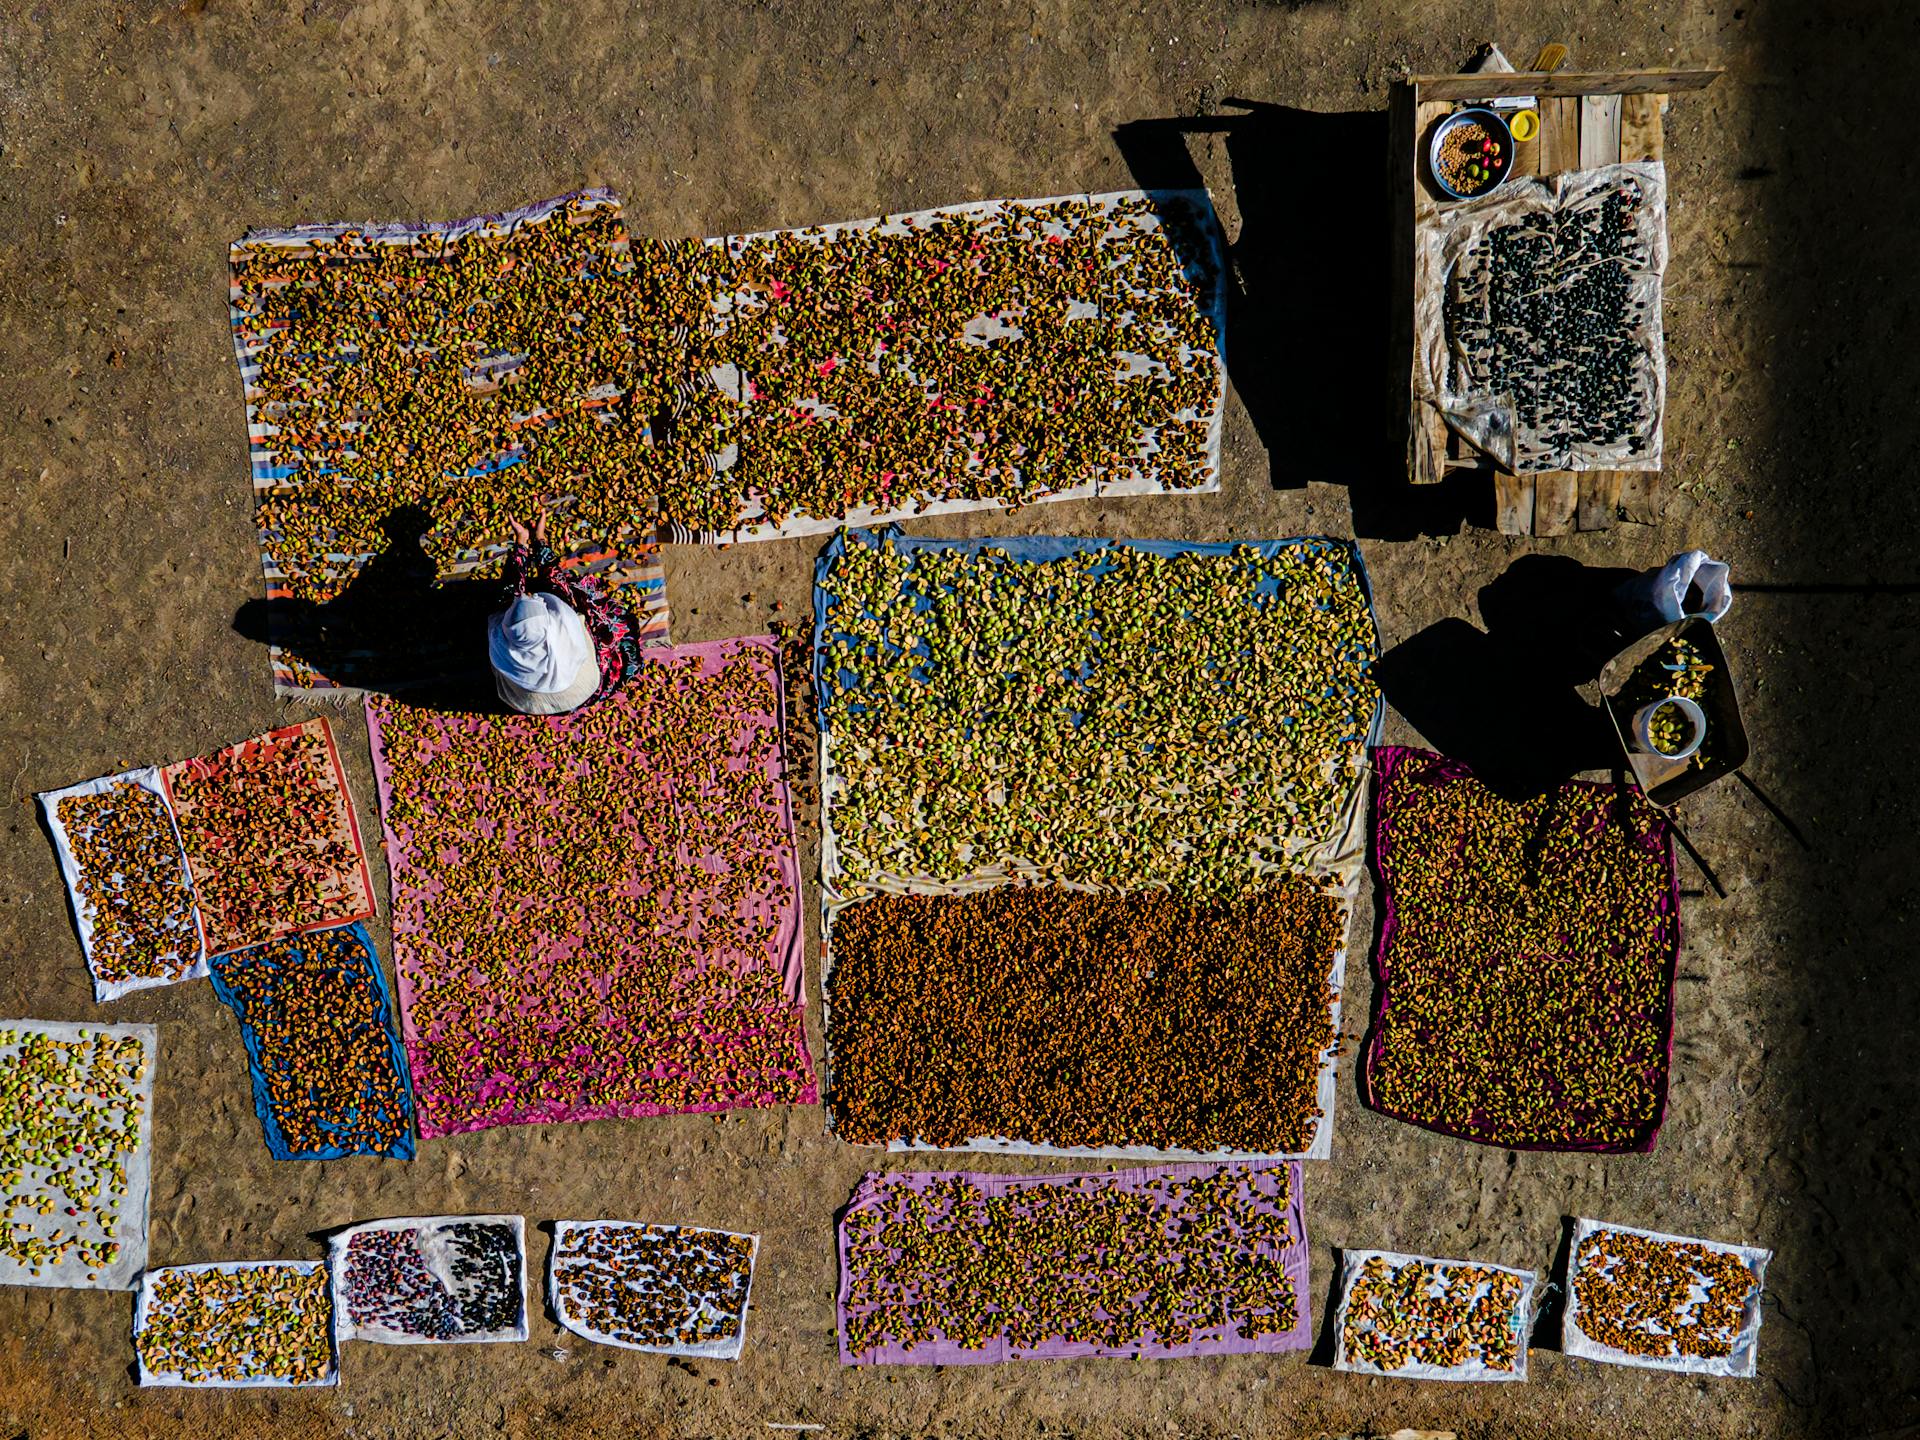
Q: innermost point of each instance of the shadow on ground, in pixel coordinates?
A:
(1839, 604)
(1506, 699)
(396, 629)
(1309, 305)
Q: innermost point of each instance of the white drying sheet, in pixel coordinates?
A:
(564, 1232)
(174, 1378)
(192, 934)
(1450, 259)
(130, 1216)
(1745, 1357)
(1475, 1368)
(437, 1247)
(1141, 478)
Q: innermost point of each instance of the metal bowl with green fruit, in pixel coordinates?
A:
(1471, 154)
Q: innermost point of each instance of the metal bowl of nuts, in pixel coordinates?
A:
(1472, 153)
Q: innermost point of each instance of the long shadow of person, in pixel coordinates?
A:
(394, 629)
(1506, 700)
(1309, 336)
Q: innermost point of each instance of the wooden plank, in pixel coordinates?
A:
(1428, 197)
(1641, 497)
(1559, 136)
(1512, 503)
(1401, 192)
(1561, 83)
(1599, 498)
(1642, 134)
(1426, 431)
(1556, 495)
(1426, 445)
(1526, 156)
(1599, 130)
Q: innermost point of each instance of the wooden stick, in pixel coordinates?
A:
(1561, 83)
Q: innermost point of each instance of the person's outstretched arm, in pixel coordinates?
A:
(531, 563)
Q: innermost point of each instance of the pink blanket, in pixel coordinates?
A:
(598, 914)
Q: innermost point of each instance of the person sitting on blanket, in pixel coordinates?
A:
(558, 643)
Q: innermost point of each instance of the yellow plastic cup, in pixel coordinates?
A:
(1525, 124)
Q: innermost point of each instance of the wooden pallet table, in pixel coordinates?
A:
(1585, 120)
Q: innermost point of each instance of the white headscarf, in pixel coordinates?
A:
(539, 644)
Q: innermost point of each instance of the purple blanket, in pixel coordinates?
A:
(1524, 979)
(965, 1268)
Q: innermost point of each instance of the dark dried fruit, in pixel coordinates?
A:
(1541, 315)
(389, 1286)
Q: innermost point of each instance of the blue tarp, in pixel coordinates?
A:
(389, 1085)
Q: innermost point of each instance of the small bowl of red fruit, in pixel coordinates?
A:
(1472, 153)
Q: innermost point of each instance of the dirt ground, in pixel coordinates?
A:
(137, 139)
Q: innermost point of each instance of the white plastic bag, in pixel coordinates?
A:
(1689, 586)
